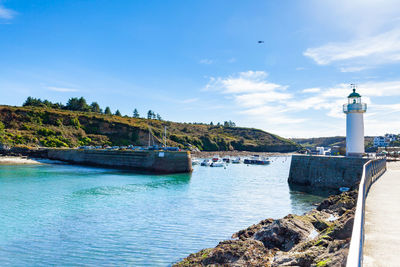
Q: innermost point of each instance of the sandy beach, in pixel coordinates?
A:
(8, 160)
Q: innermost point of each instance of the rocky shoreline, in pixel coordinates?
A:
(318, 238)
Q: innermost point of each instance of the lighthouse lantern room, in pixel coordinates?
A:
(354, 111)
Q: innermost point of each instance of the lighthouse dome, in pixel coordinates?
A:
(354, 94)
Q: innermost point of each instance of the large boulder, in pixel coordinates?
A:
(233, 253)
(285, 233)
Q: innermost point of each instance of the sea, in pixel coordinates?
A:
(69, 215)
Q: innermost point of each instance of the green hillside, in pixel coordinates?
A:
(52, 126)
(328, 141)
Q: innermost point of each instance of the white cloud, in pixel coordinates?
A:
(6, 13)
(353, 69)
(316, 111)
(311, 90)
(244, 82)
(206, 61)
(61, 89)
(255, 96)
(370, 51)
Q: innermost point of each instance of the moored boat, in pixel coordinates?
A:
(226, 159)
(206, 162)
(215, 158)
(236, 160)
(195, 162)
(257, 160)
(218, 164)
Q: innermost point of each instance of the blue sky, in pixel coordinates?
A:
(200, 61)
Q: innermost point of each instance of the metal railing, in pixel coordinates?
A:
(372, 170)
(355, 107)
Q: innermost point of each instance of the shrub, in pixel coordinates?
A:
(84, 141)
(75, 122)
(45, 132)
(53, 142)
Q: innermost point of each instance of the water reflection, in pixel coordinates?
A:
(153, 182)
(304, 196)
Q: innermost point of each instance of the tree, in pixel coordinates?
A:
(77, 104)
(30, 101)
(135, 113)
(211, 124)
(117, 113)
(95, 107)
(107, 111)
(149, 114)
(229, 124)
(159, 117)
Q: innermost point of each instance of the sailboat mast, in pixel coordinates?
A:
(149, 137)
(165, 136)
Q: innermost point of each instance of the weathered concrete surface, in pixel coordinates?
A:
(325, 172)
(382, 220)
(151, 161)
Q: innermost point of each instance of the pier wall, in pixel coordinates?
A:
(325, 172)
(149, 161)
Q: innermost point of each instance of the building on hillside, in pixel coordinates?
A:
(391, 137)
(381, 141)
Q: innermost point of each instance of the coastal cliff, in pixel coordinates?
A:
(319, 238)
(49, 127)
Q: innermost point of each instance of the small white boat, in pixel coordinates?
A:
(257, 160)
(206, 162)
(236, 160)
(195, 162)
(218, 164)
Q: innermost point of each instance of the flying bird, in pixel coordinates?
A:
(260, 42)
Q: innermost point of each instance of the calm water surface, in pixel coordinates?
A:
(71, 215)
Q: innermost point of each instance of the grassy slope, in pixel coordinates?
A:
(35, 126)
(327, 141)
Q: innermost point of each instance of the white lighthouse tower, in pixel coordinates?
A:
(354, 110)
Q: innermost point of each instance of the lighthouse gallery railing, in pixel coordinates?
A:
(356, 106)
(372, 170)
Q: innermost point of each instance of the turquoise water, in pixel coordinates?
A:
(70, 215)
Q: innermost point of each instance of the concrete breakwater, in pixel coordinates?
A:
(325, 172)
(145, 160)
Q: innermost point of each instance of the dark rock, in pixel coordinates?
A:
(250, 231)
(344, 227)
(230, 253)
(285, 233)
(339, 203)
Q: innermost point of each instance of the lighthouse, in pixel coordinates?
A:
(354, 111)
